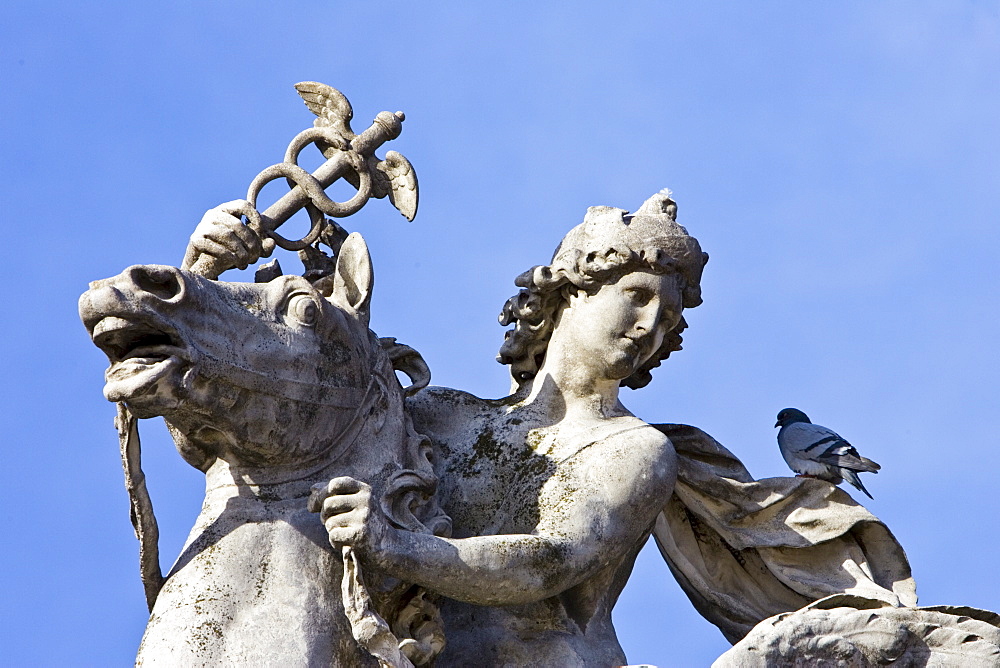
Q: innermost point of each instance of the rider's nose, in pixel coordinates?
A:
(646, 320)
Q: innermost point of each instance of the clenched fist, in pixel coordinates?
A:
(222, 235)
(346, 509)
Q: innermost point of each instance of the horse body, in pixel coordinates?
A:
(256, 584)
(269, 389)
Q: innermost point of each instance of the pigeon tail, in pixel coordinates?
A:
(853, 478)
(873, 466)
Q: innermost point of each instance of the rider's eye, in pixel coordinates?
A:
(303, 309)
(640, 295)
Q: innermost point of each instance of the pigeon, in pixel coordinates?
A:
(813, 451)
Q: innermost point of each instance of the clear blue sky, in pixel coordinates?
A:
(839, 161)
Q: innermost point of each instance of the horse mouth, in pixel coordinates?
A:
(141, 353)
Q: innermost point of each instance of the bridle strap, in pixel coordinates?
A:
(141, 507)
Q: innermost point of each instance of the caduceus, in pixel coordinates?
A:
(349, 156)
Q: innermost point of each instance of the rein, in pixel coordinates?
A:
(140, 505)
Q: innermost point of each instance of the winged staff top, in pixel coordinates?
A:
(348, 155)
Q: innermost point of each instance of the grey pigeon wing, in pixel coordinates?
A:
(843, 455)
(798, 441)
(807, 440)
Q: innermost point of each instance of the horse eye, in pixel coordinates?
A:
(303, 309)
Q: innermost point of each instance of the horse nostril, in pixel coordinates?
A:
(163, 282)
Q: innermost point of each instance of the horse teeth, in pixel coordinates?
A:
(122, 339)
(159, 352)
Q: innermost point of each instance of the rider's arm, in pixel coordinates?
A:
(592, 512)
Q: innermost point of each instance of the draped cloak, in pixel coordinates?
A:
(744, 550)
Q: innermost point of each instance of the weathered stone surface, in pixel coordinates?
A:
(554, 489)
(269, 389)
(744, 549)
(344, 524)
(827, 634)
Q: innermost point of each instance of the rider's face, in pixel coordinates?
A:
(618, 328)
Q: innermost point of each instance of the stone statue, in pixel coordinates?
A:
(554, 489)
(466, 531)
(303, 393)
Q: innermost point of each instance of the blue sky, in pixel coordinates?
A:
(837, 160)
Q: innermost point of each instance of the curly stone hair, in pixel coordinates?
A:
(605, 247)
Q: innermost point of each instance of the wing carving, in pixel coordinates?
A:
(330, 106)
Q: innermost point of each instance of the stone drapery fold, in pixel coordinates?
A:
(744, 550)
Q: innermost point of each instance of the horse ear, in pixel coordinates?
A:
(353, 277)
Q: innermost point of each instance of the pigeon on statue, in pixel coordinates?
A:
(813, 451)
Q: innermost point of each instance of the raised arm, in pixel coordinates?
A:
(593, 510)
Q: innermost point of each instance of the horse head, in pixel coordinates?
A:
(260, 374)
(268, 388)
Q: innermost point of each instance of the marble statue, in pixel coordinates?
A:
(305, 393)
(553, 490)
(269, 388)
(350, 521)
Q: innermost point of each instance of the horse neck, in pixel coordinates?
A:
(376, 438)
(225, 481)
